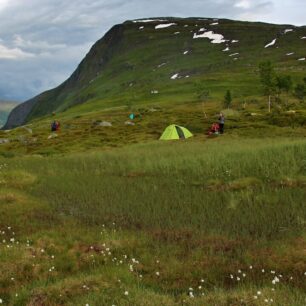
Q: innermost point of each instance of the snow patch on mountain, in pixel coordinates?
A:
(161, 65)
(149, 20)
(214, 37)
(272, 43)
(175, 76)
(164, 25)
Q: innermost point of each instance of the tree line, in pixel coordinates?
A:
(274, 85)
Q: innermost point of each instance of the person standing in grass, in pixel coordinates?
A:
(221, 123)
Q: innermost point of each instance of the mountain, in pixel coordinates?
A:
(162, 60)
(5, 109)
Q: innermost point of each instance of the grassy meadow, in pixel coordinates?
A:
(98, 215)
(216, 222)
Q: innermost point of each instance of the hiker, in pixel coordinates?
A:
(53, 126)
(58, 125)
(221, 123)
(214, 129)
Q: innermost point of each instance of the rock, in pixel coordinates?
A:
(129, 123)
(152, 110)
(54, 135)
(105, 123)
(4, 140)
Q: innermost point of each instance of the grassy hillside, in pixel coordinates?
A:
(81, 128)
(134, 62)
(182, 223)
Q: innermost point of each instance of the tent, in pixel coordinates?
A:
(175, 132)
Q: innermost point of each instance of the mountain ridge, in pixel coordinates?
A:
(126, 62)
(5, 108)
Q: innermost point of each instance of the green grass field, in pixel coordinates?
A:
(109, 215)
(220, 222)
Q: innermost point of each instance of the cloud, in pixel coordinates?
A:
(42, 41)
(13, 54)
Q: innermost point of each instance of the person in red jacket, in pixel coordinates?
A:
(58, 125)
(214, 129)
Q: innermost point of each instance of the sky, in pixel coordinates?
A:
(43, 41)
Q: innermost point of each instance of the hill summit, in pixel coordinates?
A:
(162, 59)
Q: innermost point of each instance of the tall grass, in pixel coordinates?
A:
(237, 189)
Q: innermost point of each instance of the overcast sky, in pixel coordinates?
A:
(42, 41)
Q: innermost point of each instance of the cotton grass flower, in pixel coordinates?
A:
(275, 280)
(126, 293)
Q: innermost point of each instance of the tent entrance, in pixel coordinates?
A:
(180, 132)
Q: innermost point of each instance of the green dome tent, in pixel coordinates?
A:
(175, 132)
